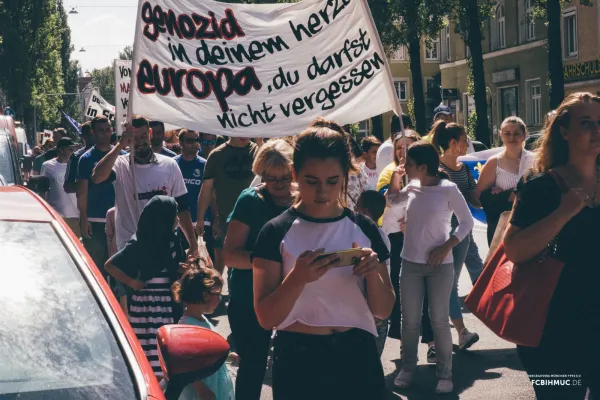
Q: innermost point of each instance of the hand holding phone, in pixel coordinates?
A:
(345, 257)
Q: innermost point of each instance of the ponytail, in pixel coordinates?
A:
(443, 133)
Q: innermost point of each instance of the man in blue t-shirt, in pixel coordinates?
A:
(192, 169)
(157, 140)
(70, 185)
(94, 200)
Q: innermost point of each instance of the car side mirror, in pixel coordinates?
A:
(189, 353)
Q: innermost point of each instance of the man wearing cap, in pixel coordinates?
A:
(444, 113)
(64, 203)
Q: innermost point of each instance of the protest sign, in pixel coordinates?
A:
(97, 106)
(258, 70)
(122, 84)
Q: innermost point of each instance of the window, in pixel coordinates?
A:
(500, 28)
(399, 54)
(570, 33)
(509, 102)
(363, 127)
(432, 52)
(401, 87)
(57, 343)
(529, 24)
(534, 102)
(447, 55)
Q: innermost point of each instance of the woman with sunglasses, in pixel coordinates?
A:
(502, 172)
(253, 209)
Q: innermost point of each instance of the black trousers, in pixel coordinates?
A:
(252, 344)
(324, 367)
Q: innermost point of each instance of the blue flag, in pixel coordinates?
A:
(74, 124)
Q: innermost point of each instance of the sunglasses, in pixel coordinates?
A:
(209, 142)
(191, 140)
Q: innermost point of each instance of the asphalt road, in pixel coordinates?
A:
(490, 370)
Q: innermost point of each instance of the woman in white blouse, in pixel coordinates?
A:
(502, 172)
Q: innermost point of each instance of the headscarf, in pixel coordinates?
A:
(149, 251)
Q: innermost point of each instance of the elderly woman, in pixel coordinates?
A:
(254, 208)
(544, 214)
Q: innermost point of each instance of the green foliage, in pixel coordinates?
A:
(461, 13)
(126, 53)
(104, 80)
(410, 109)
(35, 65)
(472, 125)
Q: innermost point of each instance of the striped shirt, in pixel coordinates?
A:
(462, 178)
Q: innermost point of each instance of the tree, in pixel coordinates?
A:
(420, 20)
(104, 80)
(550, 10)
(126, 53)
(70, 68)
(468, 17)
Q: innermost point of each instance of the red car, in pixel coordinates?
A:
(62, 332)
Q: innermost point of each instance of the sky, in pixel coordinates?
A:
(103, 28)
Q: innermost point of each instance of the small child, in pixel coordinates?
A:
(199, 291)
(372, 204)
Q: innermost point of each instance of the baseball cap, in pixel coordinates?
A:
(442, 109)
(65, 142)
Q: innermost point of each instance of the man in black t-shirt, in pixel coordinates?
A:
(57, 134)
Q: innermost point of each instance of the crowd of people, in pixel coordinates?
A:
(281, 213)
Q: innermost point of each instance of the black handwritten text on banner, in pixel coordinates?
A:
(258, 70)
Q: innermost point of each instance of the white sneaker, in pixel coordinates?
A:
(467, 339)
(403, 380)
(444, 386)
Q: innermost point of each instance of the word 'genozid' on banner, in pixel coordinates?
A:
(122, 86)
(96, 106)
(258, 70)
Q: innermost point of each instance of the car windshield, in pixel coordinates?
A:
(55, 342)
(6, 165)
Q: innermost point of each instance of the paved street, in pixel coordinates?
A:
(489, 371)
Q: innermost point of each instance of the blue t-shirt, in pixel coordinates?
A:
(167, 152)
(101, 197)
(220, 382)
(71, 174)
(193, 176)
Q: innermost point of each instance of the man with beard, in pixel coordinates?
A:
(95, 199)
(155, 174)
(228, 171)
(158, 139)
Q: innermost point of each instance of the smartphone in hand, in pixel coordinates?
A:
(346, 257)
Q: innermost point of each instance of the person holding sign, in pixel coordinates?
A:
(155, 175)
(320, 276)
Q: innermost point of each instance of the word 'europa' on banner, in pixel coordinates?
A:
(258, 70)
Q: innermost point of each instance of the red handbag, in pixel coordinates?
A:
(511, 299)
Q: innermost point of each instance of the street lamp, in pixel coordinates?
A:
(82, 50)
(73, 11)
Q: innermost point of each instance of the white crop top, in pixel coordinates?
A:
(338, 298)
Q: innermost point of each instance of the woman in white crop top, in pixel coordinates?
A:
(427, 205)
(323, 311)
(501, 173)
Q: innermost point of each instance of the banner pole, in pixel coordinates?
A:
(132, 86)
(391, 90)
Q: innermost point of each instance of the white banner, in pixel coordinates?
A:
(122, 84)
(96, 106)
(258, 70)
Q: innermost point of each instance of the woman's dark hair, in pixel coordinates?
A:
(195, 283)
(442, 133)
(321, 140)
(424, 153)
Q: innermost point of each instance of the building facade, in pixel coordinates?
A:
(516, 62)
